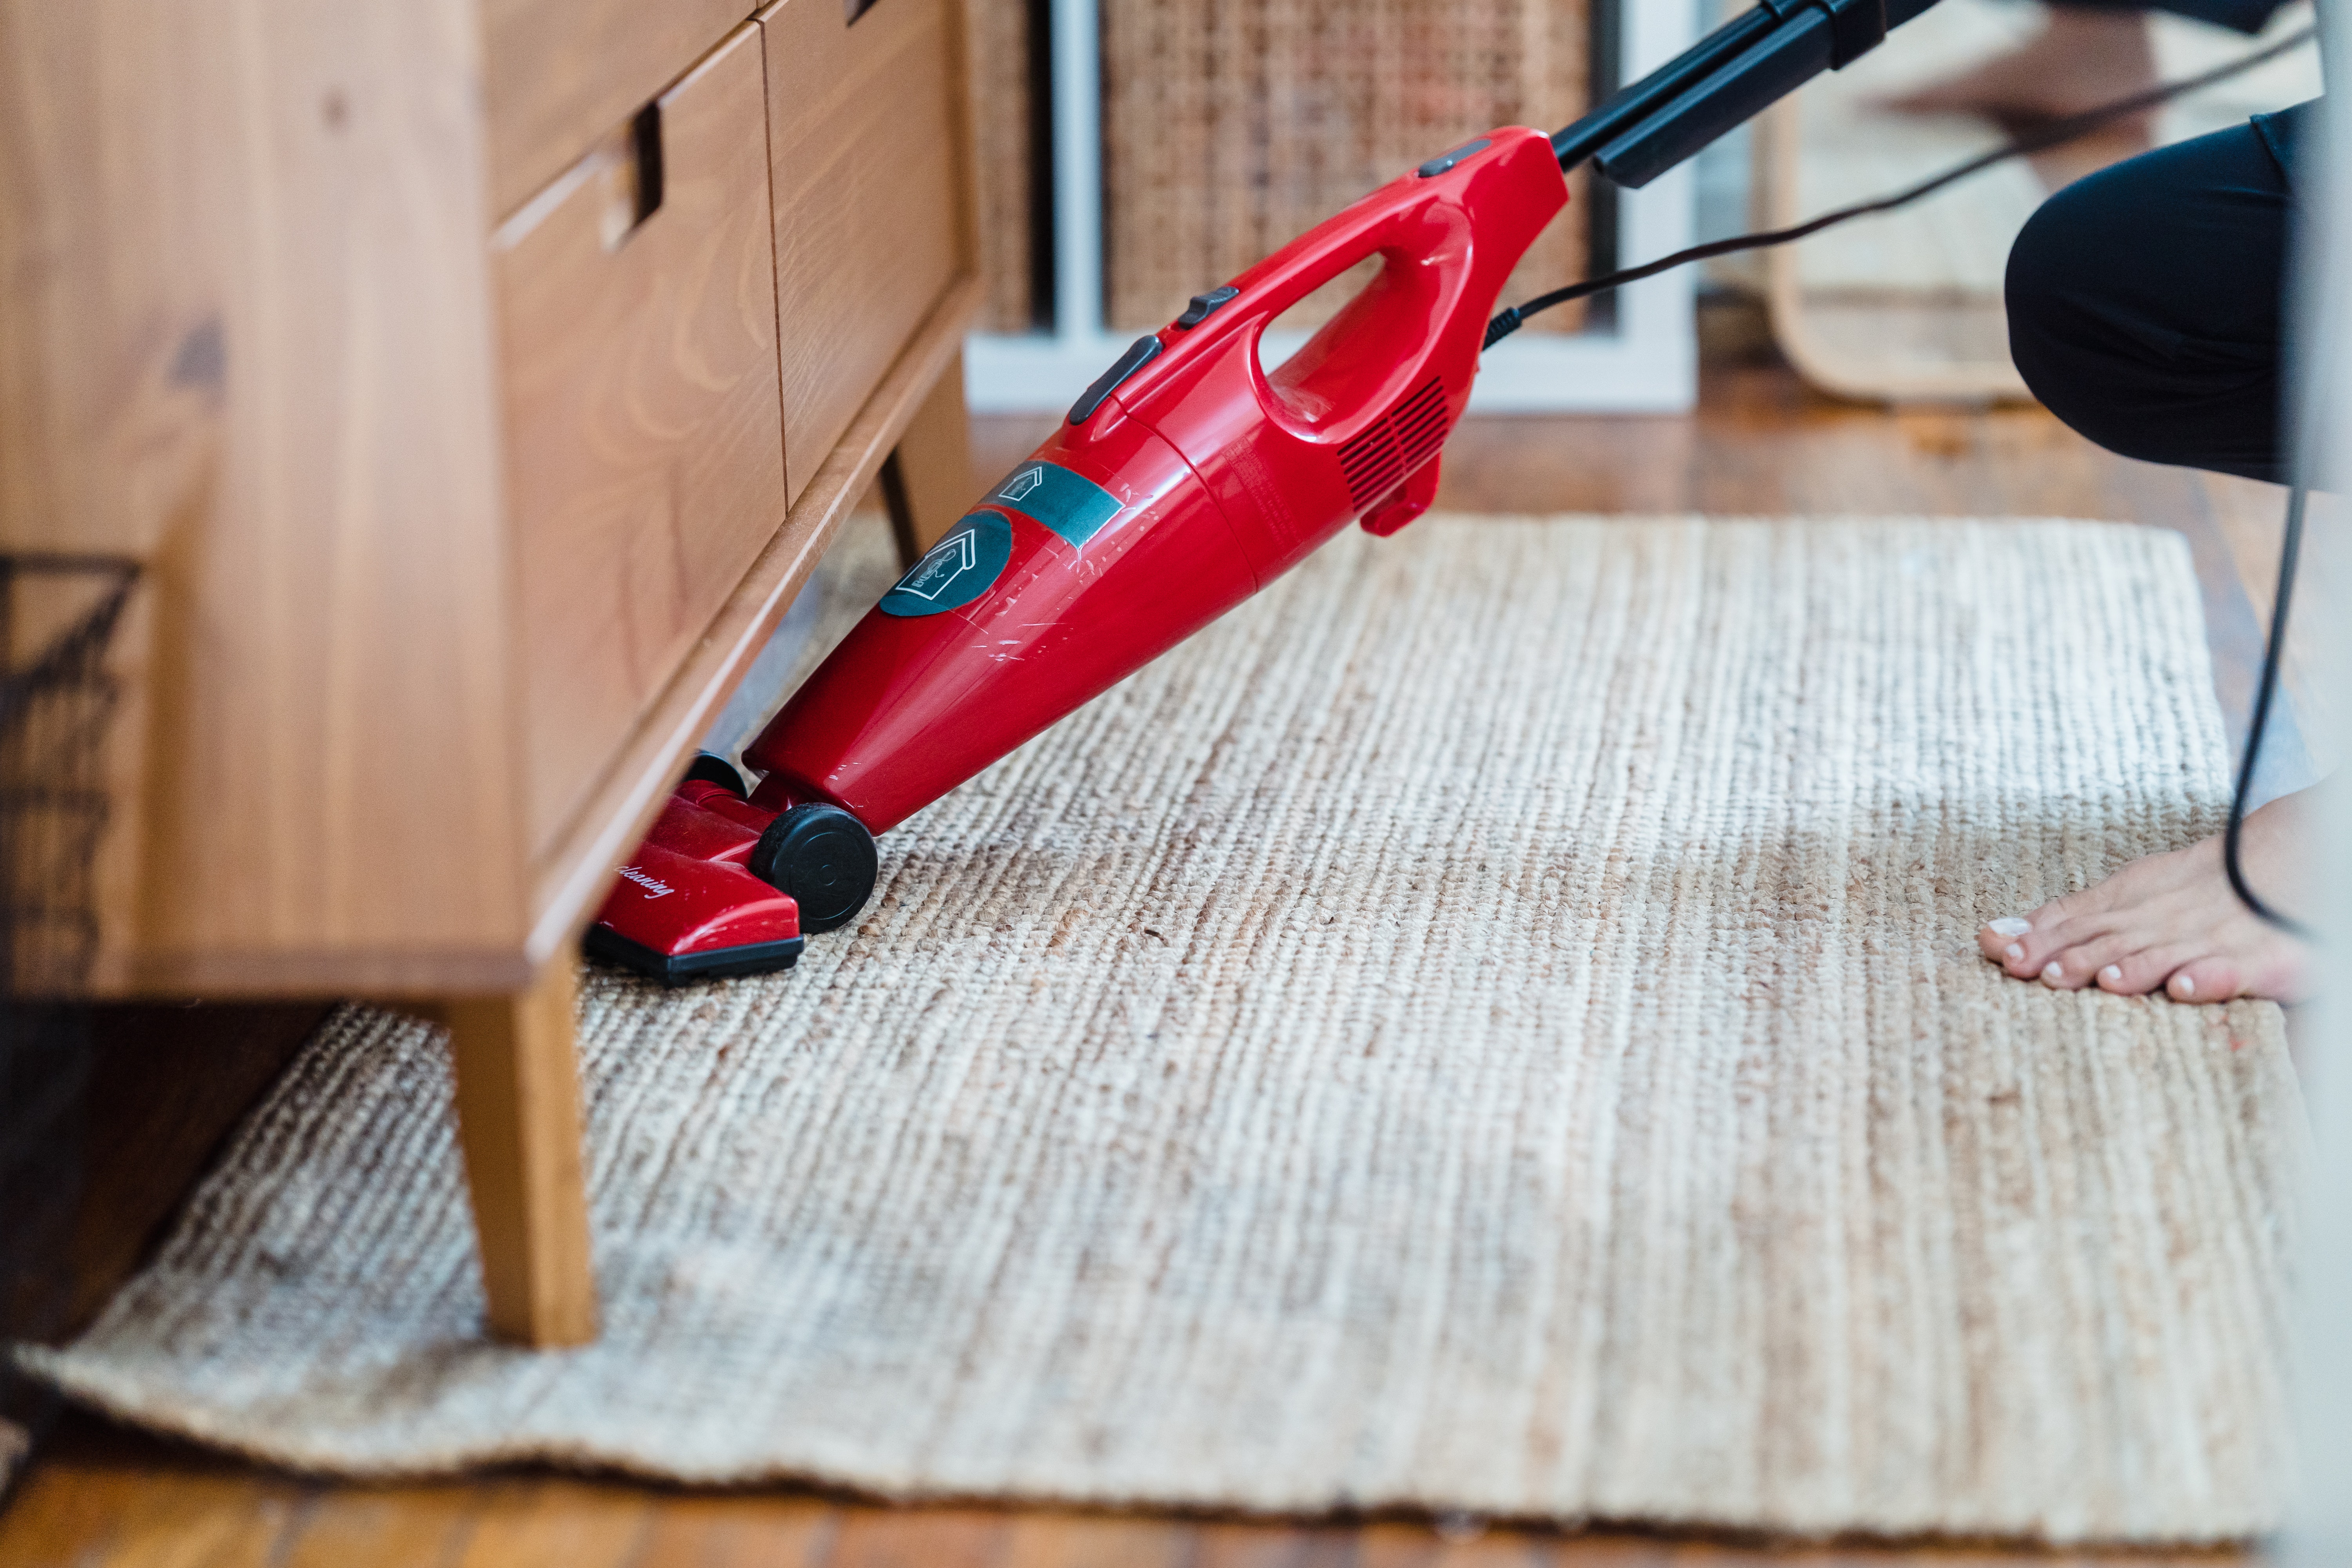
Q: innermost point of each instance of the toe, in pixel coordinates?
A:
(2014, 943)
(2097, 961)
(2139, 973)
(2204, 979)
(2031, 957)
(2055, 975)
(1995, 938)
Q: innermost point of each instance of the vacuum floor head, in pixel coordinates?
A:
(723, 888)
(677, 918)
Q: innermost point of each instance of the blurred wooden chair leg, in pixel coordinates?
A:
(927, 480)
(519, 1123)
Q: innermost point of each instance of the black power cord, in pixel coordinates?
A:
(2034, 141)
(2273, 652)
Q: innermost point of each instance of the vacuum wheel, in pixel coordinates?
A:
(823, 858)
(711, 768)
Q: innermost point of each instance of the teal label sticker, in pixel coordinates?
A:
(1070, 504)
(957, 570)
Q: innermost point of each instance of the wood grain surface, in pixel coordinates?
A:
(867, 147)
(517, 1094)
(251, 334)
(246, 336)
(645, 437)
(557, 75)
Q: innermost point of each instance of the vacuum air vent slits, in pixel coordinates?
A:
(1393, 446)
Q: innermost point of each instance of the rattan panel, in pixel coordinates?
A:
(1231, 126)
(999, 58)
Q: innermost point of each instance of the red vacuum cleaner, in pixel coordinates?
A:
(1184, 479)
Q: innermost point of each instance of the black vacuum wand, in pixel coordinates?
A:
(1724, 81)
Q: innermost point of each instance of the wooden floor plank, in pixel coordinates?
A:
(1056, 1540)
(558, 1522)
(106, 1497)
(1254, 1545)
(204, 1520)
(740, 1530)
(922, 1538)
(66, 1513)
(1458, 1545)
(383, 1527)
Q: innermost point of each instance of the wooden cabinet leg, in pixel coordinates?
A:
(926, 481)
(519, 1123)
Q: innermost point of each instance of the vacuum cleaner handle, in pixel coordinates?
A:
(1439, 232)
(1334, 430)
(1422, 242)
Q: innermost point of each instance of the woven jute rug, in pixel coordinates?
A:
(1493, 1024)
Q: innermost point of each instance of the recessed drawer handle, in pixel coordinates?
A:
(646, 142)
(636, 196)
(853, 9)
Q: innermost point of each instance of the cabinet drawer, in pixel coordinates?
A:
(866, 133)
(644, 440)
(558, 73)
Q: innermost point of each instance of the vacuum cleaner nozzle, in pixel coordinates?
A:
(691, 918)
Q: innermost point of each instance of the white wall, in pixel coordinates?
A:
(2321, 1536)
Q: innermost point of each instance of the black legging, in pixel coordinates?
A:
(2145, 302)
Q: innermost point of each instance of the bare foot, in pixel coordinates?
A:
(2083, 59)
(2170, 922)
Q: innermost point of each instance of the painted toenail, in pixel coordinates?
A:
(2113, 975)
(2052, 974)
(2014, 953)
(2010, 925)
(2183, 987)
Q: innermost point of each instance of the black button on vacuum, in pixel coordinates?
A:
(1140, 353)
(1446, 161)
(1203, 304)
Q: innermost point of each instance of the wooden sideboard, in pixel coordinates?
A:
(477, 382)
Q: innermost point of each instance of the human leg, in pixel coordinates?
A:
(2145, 306)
